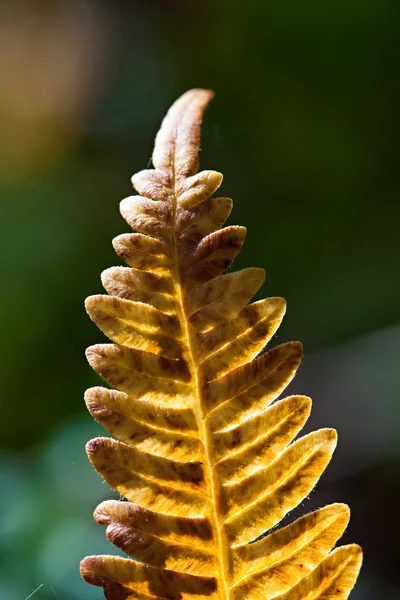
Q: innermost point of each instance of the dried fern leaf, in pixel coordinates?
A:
(205, 455)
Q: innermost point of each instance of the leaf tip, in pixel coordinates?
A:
(93, 446)
(88, 570)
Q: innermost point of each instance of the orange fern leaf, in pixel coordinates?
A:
(206, 456)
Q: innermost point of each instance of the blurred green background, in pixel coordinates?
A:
(304, 127)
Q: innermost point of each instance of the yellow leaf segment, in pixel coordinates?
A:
(205, 454)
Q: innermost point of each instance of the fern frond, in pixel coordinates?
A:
(205, 455)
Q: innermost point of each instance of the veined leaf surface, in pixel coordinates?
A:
(205, 454)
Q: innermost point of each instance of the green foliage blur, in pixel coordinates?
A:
(303, 127)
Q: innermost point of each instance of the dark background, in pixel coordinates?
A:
(304, 127)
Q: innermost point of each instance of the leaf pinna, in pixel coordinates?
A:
(205, 457)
